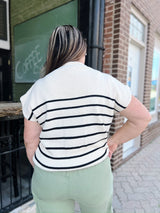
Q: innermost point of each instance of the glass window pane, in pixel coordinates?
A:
(137, 29)
(3, 21)
(159, 94)
(159, 98)
(154, 83)
(134, 56)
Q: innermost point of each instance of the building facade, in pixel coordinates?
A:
(123, 39)
(132, 51)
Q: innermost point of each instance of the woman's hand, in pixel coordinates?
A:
(112, 147)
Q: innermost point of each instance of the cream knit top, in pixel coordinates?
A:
(74, 105)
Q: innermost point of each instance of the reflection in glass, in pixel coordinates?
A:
(137, 29)
(154, 82)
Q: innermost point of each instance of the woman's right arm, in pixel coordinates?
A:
(138, 119)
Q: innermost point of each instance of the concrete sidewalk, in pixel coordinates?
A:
(136, 184)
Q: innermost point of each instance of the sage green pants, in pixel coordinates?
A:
(56, 192)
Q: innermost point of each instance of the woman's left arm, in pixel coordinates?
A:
(32, 132)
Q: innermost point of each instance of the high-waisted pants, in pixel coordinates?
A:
(57, 191)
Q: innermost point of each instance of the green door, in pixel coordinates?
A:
(31, 40)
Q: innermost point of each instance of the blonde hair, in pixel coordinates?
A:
(65, 44)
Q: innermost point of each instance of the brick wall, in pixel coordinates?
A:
(116, 41)
(22, 11)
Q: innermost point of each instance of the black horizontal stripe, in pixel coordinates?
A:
(71, 157)
(71, 167)
(75, 107)
(30, 116)
(76, 98)
(76, 126)
(77, 116)
(73, 137)
(76, 147)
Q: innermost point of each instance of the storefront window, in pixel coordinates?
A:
(159, 99)
(4, 25)
(137, 29)
(3, 21)
(136, 66)
(154, 83)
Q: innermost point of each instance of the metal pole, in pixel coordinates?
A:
(101, 30)
(96, 25)
(90, 34)
(95, 34)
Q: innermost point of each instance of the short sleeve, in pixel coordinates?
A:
(26, 101)
(122, 94)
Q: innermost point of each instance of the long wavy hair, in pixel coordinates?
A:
(65, 44)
